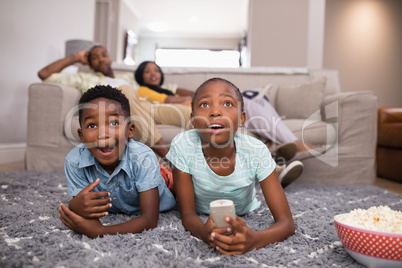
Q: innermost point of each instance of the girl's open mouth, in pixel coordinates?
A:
(215, 128)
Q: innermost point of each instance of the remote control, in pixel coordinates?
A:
(220, 209)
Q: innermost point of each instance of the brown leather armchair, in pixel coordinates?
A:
(389, 143)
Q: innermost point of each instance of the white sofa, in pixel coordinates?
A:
(309, 101)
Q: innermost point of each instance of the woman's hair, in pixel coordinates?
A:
(218, 79)
(107, 92)
(139, 73)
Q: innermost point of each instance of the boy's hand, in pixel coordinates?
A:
(90, 227)
(89, 204)
(242, 240)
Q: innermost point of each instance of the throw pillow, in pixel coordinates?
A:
(268, 92)
(301, 101)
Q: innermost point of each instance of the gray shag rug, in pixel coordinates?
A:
(32, 235)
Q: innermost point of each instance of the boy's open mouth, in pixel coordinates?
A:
(106, 150)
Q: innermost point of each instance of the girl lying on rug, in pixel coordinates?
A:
(111, 172)
(261, 117)
(213, 162)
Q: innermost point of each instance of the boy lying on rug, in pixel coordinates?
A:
(110, 171)
(214, 162)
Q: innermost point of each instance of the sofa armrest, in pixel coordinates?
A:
(355, 114)
(48, 106)
(390, 127)
(389, 115)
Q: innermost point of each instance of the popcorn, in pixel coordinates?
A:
(382, 219)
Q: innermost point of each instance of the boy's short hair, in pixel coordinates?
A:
(107, 92)
(218, 79)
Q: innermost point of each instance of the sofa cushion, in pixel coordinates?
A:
(300, 101)
(312, 131)
(169, 132)
(71, 126)
(271, 94)
(269, 91)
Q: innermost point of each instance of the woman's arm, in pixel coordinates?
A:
(184, 92)
(152, 95)
(149, 205)
(184, 189)
(184, 100)
(246, 239)
(183, 96)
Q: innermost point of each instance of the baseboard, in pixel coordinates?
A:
(12, 152)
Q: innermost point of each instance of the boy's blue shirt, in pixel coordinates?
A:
(137, 171)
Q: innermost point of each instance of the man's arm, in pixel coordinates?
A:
(59, 65)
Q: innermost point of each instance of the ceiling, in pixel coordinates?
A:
(191, 18)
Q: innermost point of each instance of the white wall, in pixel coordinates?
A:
(33, 35)
(278, 33)
(363, 40)
(316, 25)
(286, 33)
(127, 20)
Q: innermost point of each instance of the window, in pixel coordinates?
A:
(197, 58)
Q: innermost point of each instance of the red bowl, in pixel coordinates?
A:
(370, 248)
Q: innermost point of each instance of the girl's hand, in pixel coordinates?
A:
(210, 227)
(207, 230)
(90, 227)
(242, 240)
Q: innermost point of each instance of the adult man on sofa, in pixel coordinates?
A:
(141, 110)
